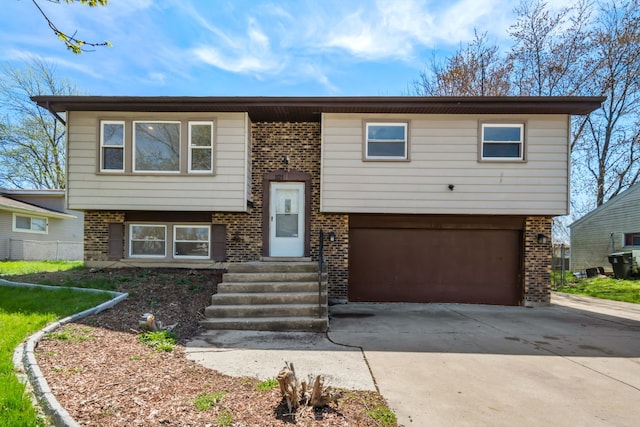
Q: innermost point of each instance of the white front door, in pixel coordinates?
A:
(286, 219)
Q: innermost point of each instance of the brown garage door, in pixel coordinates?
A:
(435, 259)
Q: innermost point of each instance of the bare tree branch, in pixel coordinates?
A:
(73, 43)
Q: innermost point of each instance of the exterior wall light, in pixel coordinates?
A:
(542, 239)
(332, 236)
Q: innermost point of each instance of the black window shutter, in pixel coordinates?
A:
(219, 242)
(116, 241)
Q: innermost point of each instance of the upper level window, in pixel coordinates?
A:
(112, 146)
(30, 224)
(200, 146)
(156, 146)
(632, 239)
(386, 141)
(502, 141)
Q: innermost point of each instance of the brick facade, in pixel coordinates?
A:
(96, 233)
(537, 261)
(300, 144)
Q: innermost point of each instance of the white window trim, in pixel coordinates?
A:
(130, 241)
(175, 240)
(521, 158)
(389, 158)
(102, 145)
(31, 230)
(133, 148)
(194, 147)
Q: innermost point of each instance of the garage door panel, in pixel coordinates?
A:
(427, 265)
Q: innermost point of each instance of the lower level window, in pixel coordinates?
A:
(191, 241)
(148, 240)
(188, 241)
(29, 224)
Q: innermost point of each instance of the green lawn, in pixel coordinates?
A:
(24, 311)
(16, 268)
(606, 288)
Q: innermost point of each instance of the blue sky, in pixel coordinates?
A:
(250, 48)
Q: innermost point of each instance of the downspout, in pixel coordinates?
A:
(56, 115)
(613, 242)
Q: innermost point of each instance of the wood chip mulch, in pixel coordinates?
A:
(103, 376)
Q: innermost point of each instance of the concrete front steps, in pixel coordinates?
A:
(270, 295)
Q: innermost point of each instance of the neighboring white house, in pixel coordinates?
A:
(34, 225)
(612, 227)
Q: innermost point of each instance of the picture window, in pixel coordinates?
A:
(156, 146)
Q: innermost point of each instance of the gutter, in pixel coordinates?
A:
(47, 105)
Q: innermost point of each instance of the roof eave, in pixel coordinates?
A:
(311, 108)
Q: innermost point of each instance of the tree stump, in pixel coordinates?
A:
(289, 386)
(309, 393)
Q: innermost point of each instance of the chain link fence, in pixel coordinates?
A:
(38, 250)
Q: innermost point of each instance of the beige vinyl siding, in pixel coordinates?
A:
(591, 236)
(89, 189)
(443, 150)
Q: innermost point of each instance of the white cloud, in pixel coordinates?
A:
(243, 53)
(396, 30)
(289, 41)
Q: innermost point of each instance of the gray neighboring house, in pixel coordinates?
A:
(34, 225)
(612, 227)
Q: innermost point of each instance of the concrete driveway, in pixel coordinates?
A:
(574, 363)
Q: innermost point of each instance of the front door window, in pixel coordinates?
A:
(287, 219)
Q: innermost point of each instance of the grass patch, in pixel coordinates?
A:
(32, 272)
(225, 417)
(206, 401)
(606, 288)
(17, 268)
(24, 311)
(383, 415)
(267, 384)
(158, 340)
(71, 334)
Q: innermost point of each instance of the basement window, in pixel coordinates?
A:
(191, 241)
(148, 241)
(169, 241)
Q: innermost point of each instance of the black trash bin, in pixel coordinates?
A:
(622, 263)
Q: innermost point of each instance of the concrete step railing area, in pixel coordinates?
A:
(270, 296)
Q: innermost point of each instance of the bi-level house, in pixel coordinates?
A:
(444, 199)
